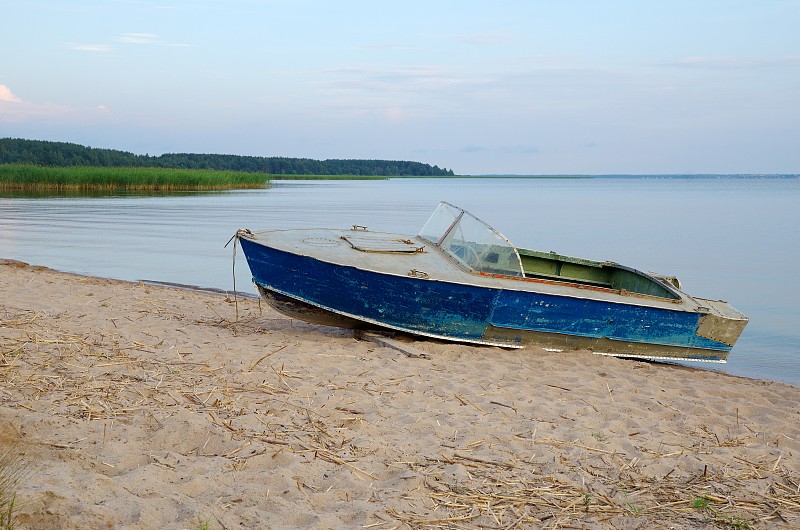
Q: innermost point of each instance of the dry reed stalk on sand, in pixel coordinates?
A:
(515, 495)
(98, 375)
(101, 377)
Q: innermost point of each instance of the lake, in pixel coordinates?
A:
(736, 239)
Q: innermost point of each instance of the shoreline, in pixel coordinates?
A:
(147, 405)
(705, 367)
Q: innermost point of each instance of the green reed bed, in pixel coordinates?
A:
(29, 177)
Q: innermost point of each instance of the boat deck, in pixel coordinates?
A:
(404, 255)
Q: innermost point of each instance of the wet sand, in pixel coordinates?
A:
(144, 406)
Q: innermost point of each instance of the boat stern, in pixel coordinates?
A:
(720, 321)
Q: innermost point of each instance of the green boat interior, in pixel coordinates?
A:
(480, 247)
(553, 266)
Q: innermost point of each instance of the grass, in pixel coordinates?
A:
(13, 470)
(634, 509)
(701, 503)
(732, 522)
(599, 437)
(30, 177)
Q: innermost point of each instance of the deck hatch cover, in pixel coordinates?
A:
(383, 243)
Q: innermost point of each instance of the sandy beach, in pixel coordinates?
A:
(141, 406)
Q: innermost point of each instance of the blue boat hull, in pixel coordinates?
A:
(472, 313)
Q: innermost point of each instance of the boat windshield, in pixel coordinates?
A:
(471, 242)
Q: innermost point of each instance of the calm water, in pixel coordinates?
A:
(728, 238)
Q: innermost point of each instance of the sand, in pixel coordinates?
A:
(143, 406)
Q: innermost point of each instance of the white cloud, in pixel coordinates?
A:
(92, 48)
(138, 38)
(390, 79)
(516, 149)
(398, 47)
(492, 38)
(19, 111)
(25, 112)
(732, 62)
(147, 39)
(7, 96)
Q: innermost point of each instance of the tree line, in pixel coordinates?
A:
(63, 154)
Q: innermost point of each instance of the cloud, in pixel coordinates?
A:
(473, 149)
(138, 38)
(24, 112)
(7, 96)
(14, 110)
(146, 39)
(91, 48)
(518, 149)
(399, 47)
(480, 38)
(150, 39)
(374, 79)
(728, 63)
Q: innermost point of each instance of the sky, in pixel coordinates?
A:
(479, 87)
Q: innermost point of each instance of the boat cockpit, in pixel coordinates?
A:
(480, 248)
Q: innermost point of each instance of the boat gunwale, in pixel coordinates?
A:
(681, 296)
(629, 297)
(584, 286)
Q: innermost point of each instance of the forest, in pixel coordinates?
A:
(63, 154)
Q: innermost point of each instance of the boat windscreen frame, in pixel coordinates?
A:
(472, 242)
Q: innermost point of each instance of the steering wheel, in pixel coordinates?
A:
(471, 257)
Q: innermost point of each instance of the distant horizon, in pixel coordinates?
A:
(485, 175)
(638, 175)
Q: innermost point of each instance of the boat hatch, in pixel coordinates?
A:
(383, 243)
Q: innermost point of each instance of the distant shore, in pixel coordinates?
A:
(148, 406)
(33, 178)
